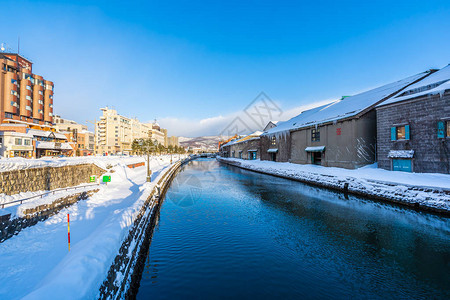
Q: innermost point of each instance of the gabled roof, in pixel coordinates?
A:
(436, 83)
(346, 107)
(273, 123)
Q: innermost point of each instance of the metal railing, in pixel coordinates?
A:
(20, 201)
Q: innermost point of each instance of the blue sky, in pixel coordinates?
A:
(194, 65)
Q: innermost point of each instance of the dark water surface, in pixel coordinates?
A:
(229, 233)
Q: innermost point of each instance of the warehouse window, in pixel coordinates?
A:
(400, 133)
(315, 135)
(273, 141)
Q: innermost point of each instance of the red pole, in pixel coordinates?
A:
(68, 230)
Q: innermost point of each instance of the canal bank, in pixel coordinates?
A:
(427, 198)
(124, 274)
(226, 232)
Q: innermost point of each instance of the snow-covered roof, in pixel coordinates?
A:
(436, 83)
(401, 154)
(251, 136)
(345, 107)
(13, 133)
(43, 133)
(315, 149)
(51, 145)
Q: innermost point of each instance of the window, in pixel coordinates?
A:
(26, 142)
(273, 141)
(28, 87)
(18, 141)
(8, 115)
(41, 93)
(1, 140)
(315, 135)
(400, 133)
(443, 129)
(13, 81)
(28, 98)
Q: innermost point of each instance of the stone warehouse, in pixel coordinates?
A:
(339, 134)
(413, 127)
(243, 148)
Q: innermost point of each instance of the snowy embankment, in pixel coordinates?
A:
(36, 264)
(10, 164)
(428, 191)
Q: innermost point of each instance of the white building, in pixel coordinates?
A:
(16, 144)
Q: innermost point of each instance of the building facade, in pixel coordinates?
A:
(25, 98)
(341, 134)
(115, 133)
(413, 128)
(16, 144)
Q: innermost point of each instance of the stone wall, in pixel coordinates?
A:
(46, 178)
(431, 155)
(9, 228)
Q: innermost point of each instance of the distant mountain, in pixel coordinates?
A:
(204, 142)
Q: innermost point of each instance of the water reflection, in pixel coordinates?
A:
(253, 235)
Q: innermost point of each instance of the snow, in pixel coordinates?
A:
(12, 133)
(36, 264)
(401, 154)
(43, 133)
(343, 108)
(436, 83)
(431, 190)
(272, 150)
(51, 145)
(17, 163)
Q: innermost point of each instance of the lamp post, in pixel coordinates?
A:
(149, 172)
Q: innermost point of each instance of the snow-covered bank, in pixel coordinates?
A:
(428, 191)
(17, 163)
(36, 263)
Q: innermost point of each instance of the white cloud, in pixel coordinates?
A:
(216, 125)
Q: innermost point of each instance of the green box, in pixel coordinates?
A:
(92, 178)
(107, 178)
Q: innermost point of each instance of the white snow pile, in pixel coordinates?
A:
(36, 263)
(430, 190)
(345, 107)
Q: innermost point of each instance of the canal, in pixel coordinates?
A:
(225, 232)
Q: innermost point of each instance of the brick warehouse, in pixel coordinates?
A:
(413, 128)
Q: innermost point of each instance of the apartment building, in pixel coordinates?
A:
(115, 133)
(25, 98)
(67, 125)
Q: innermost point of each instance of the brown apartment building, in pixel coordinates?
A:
(25, 98)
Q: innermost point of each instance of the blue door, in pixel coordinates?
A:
(404, 165)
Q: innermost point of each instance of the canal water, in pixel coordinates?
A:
(224, 232)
